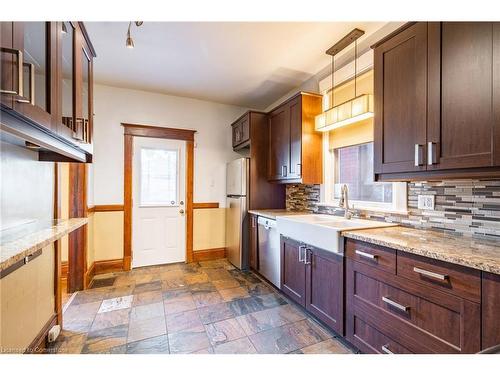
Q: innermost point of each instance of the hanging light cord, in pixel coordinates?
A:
(333, 87)
(355, 67)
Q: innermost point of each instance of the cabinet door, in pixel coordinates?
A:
(236, 128)
(245, 129)
(325, 287)
(490, 301)
(293, 270)
(400, 84)
(461, 121)
(295, 165)
(279, 143)
(83, 90)
(254, 260)
(39, 97)
(66, 79)
(9, 64)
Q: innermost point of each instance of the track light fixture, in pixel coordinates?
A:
(130, 42)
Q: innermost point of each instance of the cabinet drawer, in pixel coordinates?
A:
(420, 318)
(461, 281)
(381, 258)
(370, 340)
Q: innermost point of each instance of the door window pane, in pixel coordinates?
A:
(159, 177)
(354, 168)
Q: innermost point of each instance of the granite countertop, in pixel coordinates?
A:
(20, 242)
(473, 252)
(273, 213)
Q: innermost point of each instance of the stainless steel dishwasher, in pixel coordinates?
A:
(269, 250)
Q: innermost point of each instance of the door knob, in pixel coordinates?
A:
(181, 211)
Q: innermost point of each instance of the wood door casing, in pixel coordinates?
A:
(461, 68)
(325, 287)
(400, 87)
(293, 271)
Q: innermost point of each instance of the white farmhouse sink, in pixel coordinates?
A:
(322, 231)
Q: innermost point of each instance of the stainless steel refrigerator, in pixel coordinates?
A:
(237, 179)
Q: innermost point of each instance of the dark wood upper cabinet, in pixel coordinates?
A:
(279, 143)
(29, 50)
(241, 132)
(400, 93)
(42, 87)
(461, 118)
(295, 147)
(437, 101)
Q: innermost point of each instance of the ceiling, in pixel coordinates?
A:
(249, 64)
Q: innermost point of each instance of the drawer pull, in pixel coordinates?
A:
(395, 304)
(366, 255)
(386, 350)
(430, 274)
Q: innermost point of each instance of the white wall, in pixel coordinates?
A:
(113, 105)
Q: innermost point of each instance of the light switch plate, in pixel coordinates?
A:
(426, 202)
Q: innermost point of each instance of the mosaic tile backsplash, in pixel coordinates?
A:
(467, 207)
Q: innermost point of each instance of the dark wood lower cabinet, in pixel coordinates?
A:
(392, 313)
(325, 287)
(313, 278)
(254, 244)
(490, 299)
(293, 270)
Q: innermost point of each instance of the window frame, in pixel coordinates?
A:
(399, 202)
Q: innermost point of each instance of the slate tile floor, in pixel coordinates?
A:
(206, 307)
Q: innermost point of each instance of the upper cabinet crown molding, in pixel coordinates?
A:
(46, 83)
(437, 101)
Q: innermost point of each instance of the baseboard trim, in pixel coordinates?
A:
(209, 254)
(107, 266)
(39, 344)
(89, 275)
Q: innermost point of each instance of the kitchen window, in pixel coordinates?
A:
(352, 165)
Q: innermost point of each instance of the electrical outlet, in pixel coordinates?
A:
(426, 202)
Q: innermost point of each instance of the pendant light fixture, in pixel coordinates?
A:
(130, 42)
(354, 110)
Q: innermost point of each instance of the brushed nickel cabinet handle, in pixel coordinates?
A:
(20, 85)
(395, 304)
(301, 247)
(31, 70)
(299, 169)
(283, 171)
(385, 349)
(418, 155)
(434, 275)
(366, 255)
(431, 154)
(307, 253)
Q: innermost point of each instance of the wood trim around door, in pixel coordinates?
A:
(204, 205)
(135, 130)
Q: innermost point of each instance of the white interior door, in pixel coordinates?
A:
(159, 195)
